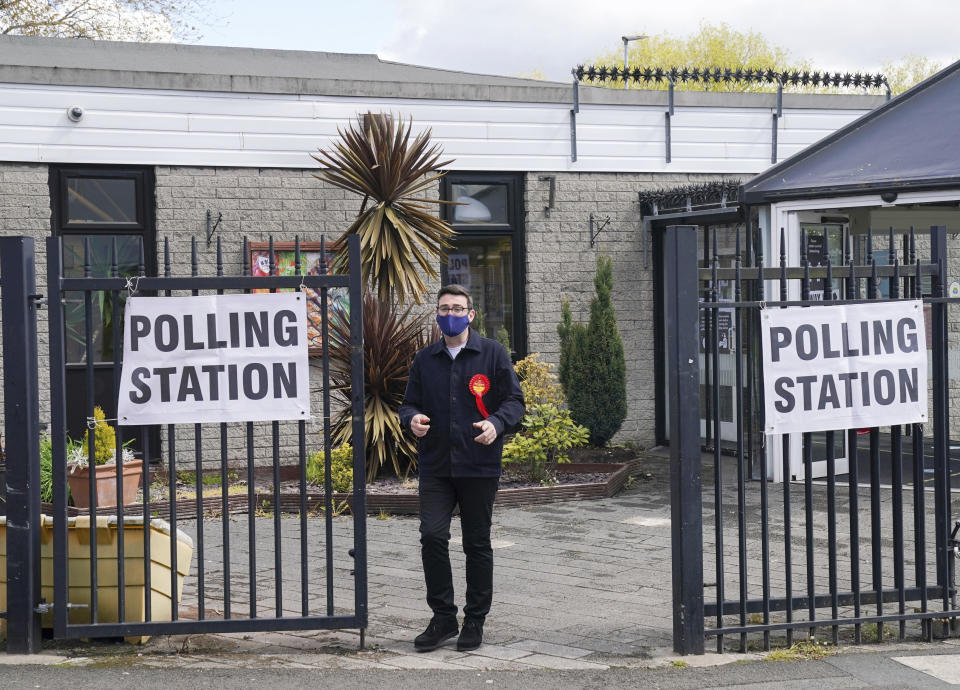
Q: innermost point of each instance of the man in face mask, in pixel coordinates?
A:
(462, 395)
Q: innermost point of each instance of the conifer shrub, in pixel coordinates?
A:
(593, 369)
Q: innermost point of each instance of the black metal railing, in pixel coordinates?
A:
(788, 577)
(213, 597)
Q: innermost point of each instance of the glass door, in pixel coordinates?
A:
(823, 240)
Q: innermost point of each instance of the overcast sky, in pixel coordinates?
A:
(512, 37)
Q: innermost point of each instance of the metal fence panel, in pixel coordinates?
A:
(118, 578)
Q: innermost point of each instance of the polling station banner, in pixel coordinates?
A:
(214, 358)
(844, 366)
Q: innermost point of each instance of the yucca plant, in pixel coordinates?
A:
(391, 338)
(401, 241)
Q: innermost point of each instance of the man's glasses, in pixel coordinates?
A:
(456, 310)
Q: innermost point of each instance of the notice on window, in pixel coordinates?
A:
(458, 269)
(844, 366)
(214, 358)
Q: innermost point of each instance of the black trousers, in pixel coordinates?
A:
(438, 498)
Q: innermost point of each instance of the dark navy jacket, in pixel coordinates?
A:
(438, 388)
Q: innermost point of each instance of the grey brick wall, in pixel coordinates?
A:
(25, 210)
(561, 264)
(285, 203)
(256, 203)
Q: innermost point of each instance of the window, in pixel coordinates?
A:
(487, 253)
(105, 216)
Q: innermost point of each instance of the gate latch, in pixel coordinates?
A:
(955, 542)
(353, 556)
(44, 607)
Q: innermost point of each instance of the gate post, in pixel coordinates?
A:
(21, 409)
(686, 517)
(941, 411)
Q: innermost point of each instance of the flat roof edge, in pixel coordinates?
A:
(548, 92)
(829, 191)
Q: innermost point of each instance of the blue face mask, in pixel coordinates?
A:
(451, 325)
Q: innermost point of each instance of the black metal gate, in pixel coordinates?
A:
(751, 559)
(127, 565)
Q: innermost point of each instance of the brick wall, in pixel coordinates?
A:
(259, 202)
(25, 210)
(255, 203)
(562, 264)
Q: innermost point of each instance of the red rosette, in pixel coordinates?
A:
(478, 386)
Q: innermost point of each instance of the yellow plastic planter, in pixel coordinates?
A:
(78, 549)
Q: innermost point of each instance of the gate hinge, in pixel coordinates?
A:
(38, 301)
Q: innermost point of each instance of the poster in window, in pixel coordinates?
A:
(458, 269)
(284, 253)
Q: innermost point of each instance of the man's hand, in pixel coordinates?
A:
(488, 432)
(420, 425)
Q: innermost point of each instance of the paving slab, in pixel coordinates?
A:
(942, 667)
(560, 663)
(560, 650)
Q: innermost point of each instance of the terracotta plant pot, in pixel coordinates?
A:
(106, 484)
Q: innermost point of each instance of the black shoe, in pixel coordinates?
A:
(439, 631)
(471, 636)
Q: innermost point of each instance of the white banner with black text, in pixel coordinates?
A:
(845, 366)
(214, 358)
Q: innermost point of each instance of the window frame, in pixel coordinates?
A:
(513, 228)
(143, 179)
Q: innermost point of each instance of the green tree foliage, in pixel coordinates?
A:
(724, 47)
(593, 371)
(711, 46)
(112, 20)
(909, 71)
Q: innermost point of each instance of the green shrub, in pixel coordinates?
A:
(538, 382)
(46, 469)
(593, 370)
(104, 438)
(341, 468)
(548, 432)
(503, 337)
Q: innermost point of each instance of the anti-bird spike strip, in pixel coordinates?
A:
(603, 74)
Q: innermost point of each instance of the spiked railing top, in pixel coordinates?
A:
(699, 195)
(655, 75)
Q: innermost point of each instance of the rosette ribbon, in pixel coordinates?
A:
(479, 385)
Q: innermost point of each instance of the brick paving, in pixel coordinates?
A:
(578, 585)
